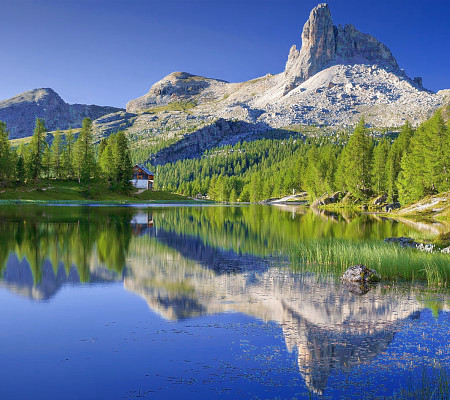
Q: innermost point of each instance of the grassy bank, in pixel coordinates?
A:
(48, 191)
(334, 256)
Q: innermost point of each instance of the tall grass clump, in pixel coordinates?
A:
(334, 256)
(432, 384)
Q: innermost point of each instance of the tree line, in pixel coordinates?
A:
(405, 169)
(67, 158)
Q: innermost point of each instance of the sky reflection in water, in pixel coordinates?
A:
(223, 315)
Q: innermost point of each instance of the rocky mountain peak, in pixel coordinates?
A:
(20, 112)
(175, 87)
(324, 44)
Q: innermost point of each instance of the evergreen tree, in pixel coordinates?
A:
(46, 161)
(379, 170)
(57, 156)
(358, 162)
(67, 155)
(37, 148)
(84, 158)
(393, 165)
(7, 167)
(122, 161)
(424, 167)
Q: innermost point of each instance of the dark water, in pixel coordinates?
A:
(200, 303)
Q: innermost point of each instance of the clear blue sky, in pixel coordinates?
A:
(107, 52)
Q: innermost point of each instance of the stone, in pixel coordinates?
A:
(402, 241)
(360, 273)
(380, 200)
(425, 247)
(418, 80)
(392, 206)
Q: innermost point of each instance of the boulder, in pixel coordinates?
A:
(402, 241)
(360, 273)
(446, 250)
(380, 200)
(392, 206)
(425, 247)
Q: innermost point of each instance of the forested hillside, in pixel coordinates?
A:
(406, 168)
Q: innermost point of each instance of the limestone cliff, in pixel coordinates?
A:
(324, 44)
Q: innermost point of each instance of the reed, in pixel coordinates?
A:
(393, 263)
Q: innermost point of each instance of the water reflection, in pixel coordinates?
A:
(189, 262)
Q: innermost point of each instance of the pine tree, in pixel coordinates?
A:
(84, 158)
(396, 153)
(7, 167)
(46, 161)
(379, 170)
(37, 148)
(56, 155)
(424, 167)
(122, 161)
(358, 162)
(67, 155)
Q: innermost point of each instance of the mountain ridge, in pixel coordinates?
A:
(20, 112)
(338, 76)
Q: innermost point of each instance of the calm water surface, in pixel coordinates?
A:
(201, 303)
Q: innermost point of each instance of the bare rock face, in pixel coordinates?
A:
(324, 44)
(20, 112)
(176, 87)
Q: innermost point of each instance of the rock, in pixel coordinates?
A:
(324, 44)
(360, 273)
(425, 247)
(380, 200)
(328, 199)
(402, 241)
(392, 206)
(20, 112)
(418, 80)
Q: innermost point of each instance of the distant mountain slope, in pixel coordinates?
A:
(20, 112)
(339, 75)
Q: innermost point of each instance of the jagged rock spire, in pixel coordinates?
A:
(324, 44)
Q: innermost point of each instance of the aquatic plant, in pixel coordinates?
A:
(334, 256)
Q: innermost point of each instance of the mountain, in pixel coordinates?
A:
(338, 76)
(20, 112)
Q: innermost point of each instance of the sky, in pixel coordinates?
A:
(108, 52)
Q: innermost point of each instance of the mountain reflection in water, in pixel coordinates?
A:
(189, 262)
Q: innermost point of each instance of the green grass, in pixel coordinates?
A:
(393, 263)
(175, 106)
(50, 191)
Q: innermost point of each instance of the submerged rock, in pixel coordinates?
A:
(360, 273)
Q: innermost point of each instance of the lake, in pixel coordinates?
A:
(204, 302)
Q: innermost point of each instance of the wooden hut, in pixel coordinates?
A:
(142, 177)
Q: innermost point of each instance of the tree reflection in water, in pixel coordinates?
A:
(193, 261)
